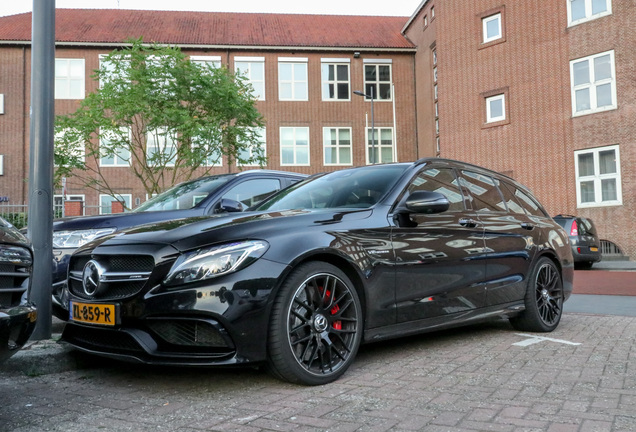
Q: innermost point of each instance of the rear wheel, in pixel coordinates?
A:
(316, 325)
(543, 300)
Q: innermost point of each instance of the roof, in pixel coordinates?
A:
(114, 26)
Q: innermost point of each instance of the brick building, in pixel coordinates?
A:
(304, 70)
(547, 98)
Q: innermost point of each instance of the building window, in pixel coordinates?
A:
(337, 146)
(492, 29)
(433, 13)
(598, 177)
(113, 155)
(254, 151)
(383, 150)
(213, 156)
(292, 79)
(580, 11)
(294, 146)
(335, 80)
(377, 81)
(593, 84)
(75, 150)
(69, 78)
(253, 69)
(106, 202)
(161, 148)
(425, 21)
(495, 108)
(207, 61)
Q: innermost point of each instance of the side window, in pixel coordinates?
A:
(252, 192)
(485, 195)
(440, 180)
(528, 203)
(509, 198)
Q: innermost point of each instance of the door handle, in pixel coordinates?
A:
(467, 222)
(528, 226)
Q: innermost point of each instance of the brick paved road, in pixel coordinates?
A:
(471, 379)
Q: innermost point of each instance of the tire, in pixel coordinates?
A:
(543, 299)
(316, 325)
(586, 265)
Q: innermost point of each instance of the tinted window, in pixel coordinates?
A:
(252, 192)
(441, 180)
(484, 193)
(509, 198)
(527, 202)
(185, 195)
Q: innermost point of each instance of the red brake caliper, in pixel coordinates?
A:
(334, 310)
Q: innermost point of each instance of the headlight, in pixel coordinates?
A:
(75, 239)
(214, 261)
(15, 255)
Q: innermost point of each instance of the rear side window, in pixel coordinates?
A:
(509, 198)
(251, 192)
(441, 180)
(528, 203)
(485, 195)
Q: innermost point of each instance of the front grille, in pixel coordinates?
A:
(116, 276)
(14, 282)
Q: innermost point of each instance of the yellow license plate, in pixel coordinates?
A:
(594, 249)
(93, 313)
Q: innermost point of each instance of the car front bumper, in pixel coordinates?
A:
(16, 326)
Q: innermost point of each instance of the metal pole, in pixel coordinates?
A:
(372, 127)
(40, 225)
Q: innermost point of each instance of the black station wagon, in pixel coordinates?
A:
(301, 280)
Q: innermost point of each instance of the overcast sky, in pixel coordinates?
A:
(327, 7)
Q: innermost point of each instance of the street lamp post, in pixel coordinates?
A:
(359, 93)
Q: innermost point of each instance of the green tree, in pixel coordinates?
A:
(163, 115)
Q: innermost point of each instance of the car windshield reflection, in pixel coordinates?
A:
(184, 196)
(359, 188)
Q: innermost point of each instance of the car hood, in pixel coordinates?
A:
(185, 234)
(119, 221)
(10, 235)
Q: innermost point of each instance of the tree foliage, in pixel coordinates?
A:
(163, 115)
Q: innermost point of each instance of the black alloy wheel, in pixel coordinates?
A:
(316, 325)
(544, 299)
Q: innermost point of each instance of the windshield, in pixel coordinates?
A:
(185, 195)
(351, 188)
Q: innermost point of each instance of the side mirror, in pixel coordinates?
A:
(425, 202)
(230, 206)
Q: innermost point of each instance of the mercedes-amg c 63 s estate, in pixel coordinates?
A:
(344, 258)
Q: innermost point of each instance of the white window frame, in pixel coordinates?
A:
(326, 143)
(489, 117)
(126, 198)
(294, 146)
(588, 12)
(592, 84)
(376, 84)
(297, 78)
(214, 61)
(68, 79)
(252, 63)
(118, 161)
(379, 146)
(326, 63)
(262, 132)
(484, 24)
(164, 142)
(597, 178)
(79, 151)
(70, 197)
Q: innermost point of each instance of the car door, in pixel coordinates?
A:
(438, 257)
(511, 237)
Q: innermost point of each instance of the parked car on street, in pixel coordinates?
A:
(211, 195)
(586, 246)
(302, 279)
(17, 315)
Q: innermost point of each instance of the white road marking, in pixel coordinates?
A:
(533, 339)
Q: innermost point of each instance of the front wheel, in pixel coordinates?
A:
(543, 300)
(316, 325)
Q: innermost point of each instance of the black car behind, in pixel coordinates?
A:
(586, 245)
(17, 315)
(354, 256)
(211, 195)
